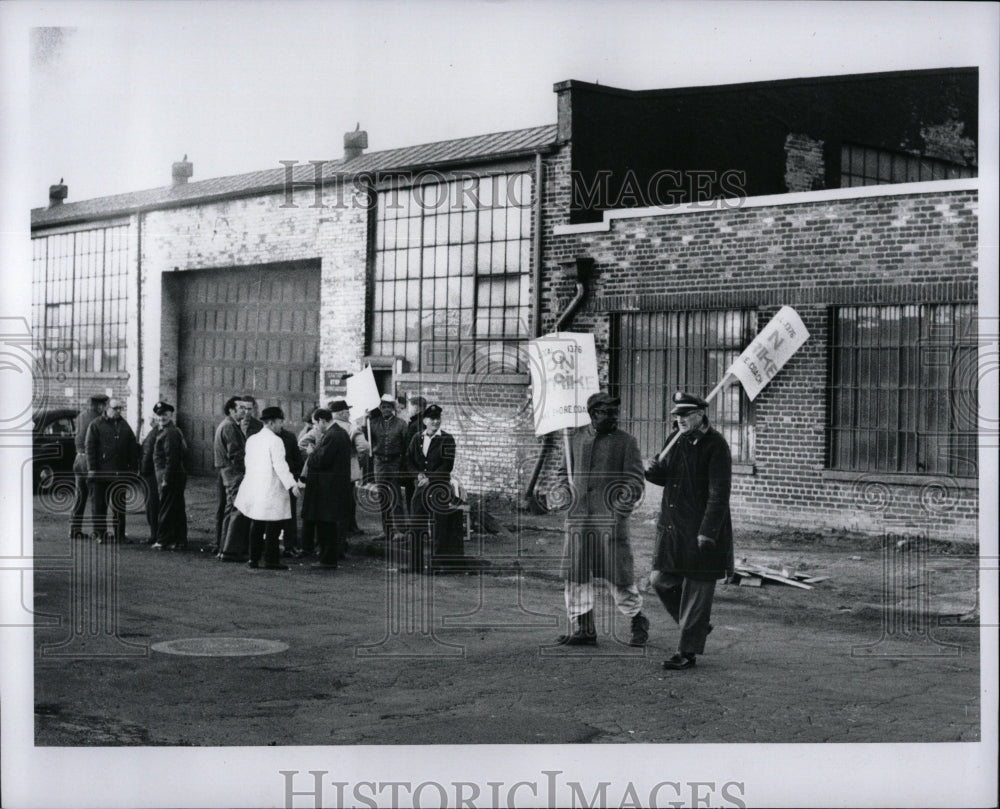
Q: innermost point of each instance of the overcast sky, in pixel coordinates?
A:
(116, 93)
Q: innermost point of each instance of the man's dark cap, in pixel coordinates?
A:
(162, 407)
(338, 406)
(270, 413)
(601, 400)
(432, 412)
(99, 399)
(684, 403)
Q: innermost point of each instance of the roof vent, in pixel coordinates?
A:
(355, 143)
(57, 193)
(182, 171)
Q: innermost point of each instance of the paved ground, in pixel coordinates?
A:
(874, 654)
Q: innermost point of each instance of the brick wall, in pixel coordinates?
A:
(248, 232)
(886, 249)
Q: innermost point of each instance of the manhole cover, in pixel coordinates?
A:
(220, 647)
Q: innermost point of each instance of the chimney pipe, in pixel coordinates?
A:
(57, 193)
(182, 170)
(355, 142)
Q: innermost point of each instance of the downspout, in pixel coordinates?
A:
(138, 295)
(536, 258)
(584, 271)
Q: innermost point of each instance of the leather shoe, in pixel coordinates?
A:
(278, 566)
(679, 662)
(253, 565)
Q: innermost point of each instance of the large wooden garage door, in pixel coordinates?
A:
(246, 330)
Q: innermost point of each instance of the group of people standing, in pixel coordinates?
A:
(108, 459)
(264, 470)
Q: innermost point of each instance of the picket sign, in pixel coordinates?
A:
(763, 358)
(563, 368)
(362, 392)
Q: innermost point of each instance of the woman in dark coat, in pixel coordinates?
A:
(325, 501)
(431, 457)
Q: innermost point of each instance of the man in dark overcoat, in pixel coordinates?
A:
(112, 463)
(327, 489)
(171, 478)
(694, 534)
(430, 459)
(606, 483)
(388, 449)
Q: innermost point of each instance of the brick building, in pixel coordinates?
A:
(674, 222)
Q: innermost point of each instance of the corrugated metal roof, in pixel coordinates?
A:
(443, 153)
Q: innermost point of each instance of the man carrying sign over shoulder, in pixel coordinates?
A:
(606, 477)
(694, 534)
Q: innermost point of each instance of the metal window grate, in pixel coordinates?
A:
(451, 274)
(652, 354)
(862, 165)
(79, 298)
(903, 389)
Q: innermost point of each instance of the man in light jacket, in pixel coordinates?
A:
(360, 453)
(263, 495)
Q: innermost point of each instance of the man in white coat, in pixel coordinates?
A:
(263, 494)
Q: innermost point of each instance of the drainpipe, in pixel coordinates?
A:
(584, 266)
(536, 281)
(138, 294)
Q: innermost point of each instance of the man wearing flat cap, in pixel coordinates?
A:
(606, 481)
(388, 449)
(694, 534)
(360, 452)
(169, 449)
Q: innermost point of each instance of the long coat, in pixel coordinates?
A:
(437, 498)
(263, 494)
(606, 485)
(328, 479)
(696, 476)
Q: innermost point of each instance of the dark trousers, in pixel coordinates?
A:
(308, 536)
(291, 525)
(328, 535)
(444, 525)
(264, 541)
(352, 507)
(81, 495)
(689, 603)
(237, 543)
(107, 504)
(152, 506)
(390, 494)
(220, 514)
(173, 515)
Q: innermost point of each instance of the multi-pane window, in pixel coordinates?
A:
(903, 389)
(79, 298)
(862, 165)
(655, 353)
(451, 276)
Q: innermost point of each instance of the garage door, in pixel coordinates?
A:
(246, 330)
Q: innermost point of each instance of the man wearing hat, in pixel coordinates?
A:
(388, 448)
(417, 405)
(606, 478)
(327, 478)
(360, 452)
(112, 461)
(694, 535)
(263, 497)
(169, 450)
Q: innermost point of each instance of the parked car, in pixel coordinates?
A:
(53, 449)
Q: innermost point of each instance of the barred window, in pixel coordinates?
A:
(655, 353)
(862, 165)
(79, 298)
(451, 275)
(903, 389)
